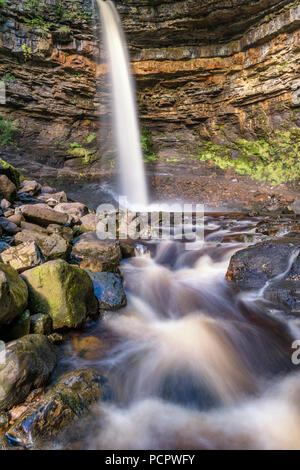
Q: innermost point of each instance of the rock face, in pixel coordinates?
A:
(67, 402)
(28, 364)
(63, 291)
(212, 69)
(13, 294)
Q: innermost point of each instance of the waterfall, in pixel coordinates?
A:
(125, 121)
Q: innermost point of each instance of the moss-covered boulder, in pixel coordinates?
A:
(13, 294)
(26, 365)
(60, 409)
(10, 171)
(63, 291)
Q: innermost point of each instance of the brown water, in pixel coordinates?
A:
(192, 364)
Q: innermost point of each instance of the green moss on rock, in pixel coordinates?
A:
(274, 158)
(63, 291)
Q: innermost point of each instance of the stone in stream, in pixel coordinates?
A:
(51, 246)
(75, 209)
(108, 290)
(63, 291)
(27, 364)
(44, 216)
(13, 294)
(252, 267)
(88, 347)
(56, 414)
(22, 257)
(11, 172)
(97, 255)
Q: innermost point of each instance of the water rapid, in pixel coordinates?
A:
(193, 365)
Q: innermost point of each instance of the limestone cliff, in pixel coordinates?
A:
(209, 68)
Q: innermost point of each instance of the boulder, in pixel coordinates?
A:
(63, 291)
(53, 199)
(32, 187)
(75, 209)
(51, 246)
(56, 414)
(24, 256)
(8, 189)
(27, 364)
(252, 267)
(5, 204)
(89, 223)
(109, 290)
(62, 231)
(15, 219)
(11, 172)
(44, 216)
(33, 227)
(97, 255)
(13, 294)
(8, 227)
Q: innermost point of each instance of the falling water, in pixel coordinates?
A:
(126, 129)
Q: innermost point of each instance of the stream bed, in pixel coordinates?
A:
(192, 362)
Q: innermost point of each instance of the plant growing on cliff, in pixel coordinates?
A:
(86, 156)
(3, 6)
(147, 146)
(27, 51)
(274, 159)
(7, 130)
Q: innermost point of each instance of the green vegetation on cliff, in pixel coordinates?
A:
(7, 130)
(274, 158)
(147, 146)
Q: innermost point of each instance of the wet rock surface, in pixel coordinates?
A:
(254, 266)
(28, 364)
(108, 290)
(62, 406)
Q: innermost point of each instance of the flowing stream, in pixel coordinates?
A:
(193, 365)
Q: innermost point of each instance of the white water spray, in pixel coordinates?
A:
(133, 181)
